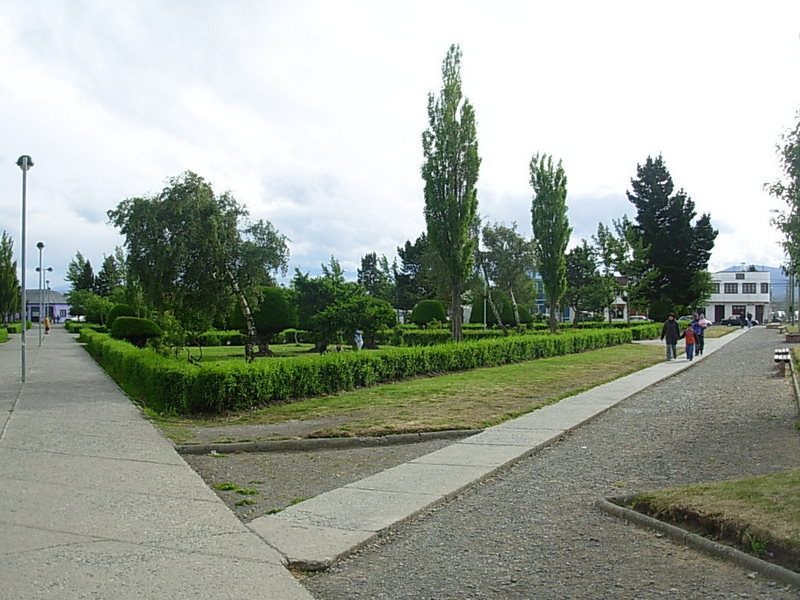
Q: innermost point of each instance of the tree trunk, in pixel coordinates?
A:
(455, 309)
(493, 306)
(516, 308)
(553, 321)
(252, 334)
(496, 313)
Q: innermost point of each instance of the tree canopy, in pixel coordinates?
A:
(191, 249)
(450, 170)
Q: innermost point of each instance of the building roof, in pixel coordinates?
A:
(47, 297)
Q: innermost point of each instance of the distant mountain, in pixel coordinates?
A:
(778, 281)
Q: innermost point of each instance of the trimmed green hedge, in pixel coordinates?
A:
(167, 384)
(3, 335)
(430, 337)
(135, 329)
(75, 327)
(17, 327)
(217, 337)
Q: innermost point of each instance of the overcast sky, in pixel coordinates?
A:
(311, 113)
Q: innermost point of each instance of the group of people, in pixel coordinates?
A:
(694, 334)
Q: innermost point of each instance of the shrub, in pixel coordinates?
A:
(119, 310)
(135, 330)
(3, 335)
(14, 328)
(427, 311)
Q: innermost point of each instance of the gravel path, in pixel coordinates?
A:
(533, 532)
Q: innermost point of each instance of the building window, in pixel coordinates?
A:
(748, 288)
(740, 276)
(765, 288)
(715, 288)
(738, 310)
(731, 288)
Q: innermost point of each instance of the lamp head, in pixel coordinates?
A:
(24, 162)
(40, 245)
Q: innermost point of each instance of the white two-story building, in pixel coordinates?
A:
(738, 292)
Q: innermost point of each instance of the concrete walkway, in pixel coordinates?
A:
(96, 503)
(317, 532)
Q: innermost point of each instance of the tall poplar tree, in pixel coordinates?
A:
(551, 229)
(676, 245)
(450, 171)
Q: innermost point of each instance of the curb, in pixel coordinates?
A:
(767, 569)
(326, 443)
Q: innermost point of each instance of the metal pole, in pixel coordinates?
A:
(40, 246)
(47, 298)
(24, 162)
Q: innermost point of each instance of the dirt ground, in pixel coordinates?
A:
(266, 482)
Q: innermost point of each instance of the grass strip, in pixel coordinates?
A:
(761, 515)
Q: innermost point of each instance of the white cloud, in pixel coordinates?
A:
(311, 112)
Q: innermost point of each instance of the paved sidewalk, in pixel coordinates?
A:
(96, 503)
(322, 530)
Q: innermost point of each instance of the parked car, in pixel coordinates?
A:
(736, 321)
(639, 319)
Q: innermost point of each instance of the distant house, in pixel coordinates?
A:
(739, 292)
(51, 303)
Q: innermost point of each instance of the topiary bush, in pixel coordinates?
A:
(135, 330)
(428, 311)
(119, 310)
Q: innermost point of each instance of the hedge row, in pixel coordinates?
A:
(170, 385)
(3, 335)
(430, 337)
(76, 326)
(222, 338)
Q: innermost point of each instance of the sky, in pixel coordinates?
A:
(311, 113)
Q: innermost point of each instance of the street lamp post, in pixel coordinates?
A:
(24, 162)
(40, 246)
(47, 296)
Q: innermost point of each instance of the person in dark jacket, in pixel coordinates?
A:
(670, 332)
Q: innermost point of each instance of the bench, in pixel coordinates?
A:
(782, 358)
(792, 338)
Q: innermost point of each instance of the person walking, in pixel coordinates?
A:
(671, 333)
(689, 336)
(749, 320)
(47, 324)
(700, 334)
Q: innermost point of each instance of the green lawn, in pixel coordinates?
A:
(468, 400)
